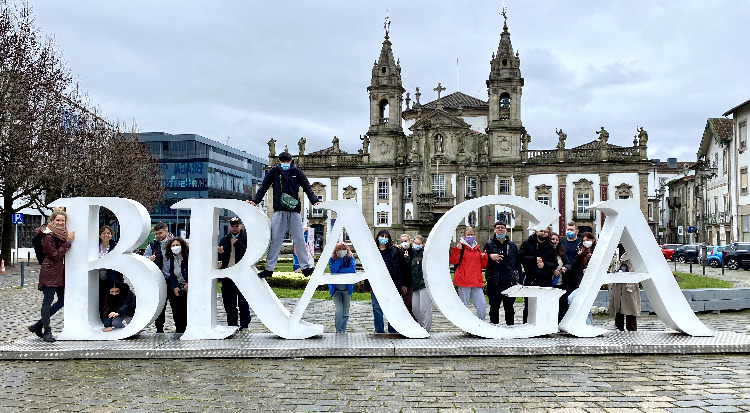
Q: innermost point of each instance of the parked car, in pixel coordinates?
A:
(668, 250)
(688, 253)
(715, 256)
(737, 255)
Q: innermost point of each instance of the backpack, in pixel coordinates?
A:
(36, 242)
(460, 257)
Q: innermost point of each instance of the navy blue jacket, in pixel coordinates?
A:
(292, 179)
(173, 283)
(507, 272)
(529, 251)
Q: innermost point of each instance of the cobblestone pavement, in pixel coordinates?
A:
(674, 383)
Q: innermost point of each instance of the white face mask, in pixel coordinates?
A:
(341, 253)
(588, 244)
(405, 245)
(176, 249)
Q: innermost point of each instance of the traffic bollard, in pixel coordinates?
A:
(21, 274)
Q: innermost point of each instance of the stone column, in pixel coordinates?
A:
(397, 203)
(484, 211)
(368, 201)
(562, 187)
(461, 190)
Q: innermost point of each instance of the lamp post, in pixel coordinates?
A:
(660, 215)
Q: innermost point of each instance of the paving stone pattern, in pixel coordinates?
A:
(695, 383)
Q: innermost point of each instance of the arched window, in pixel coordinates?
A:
(383, 105)
(505, 100)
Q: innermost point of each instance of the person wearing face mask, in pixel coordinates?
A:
(231, 249)
(468, 260)
(563, 266)
(119, 307)
(407, 290)
(392, 257)
(575, 275)
(571, 243)
(177, 259)
(341, 262)
(503, 271)
(286, 179)
(421, 302)
(56, 241)
(539, 262)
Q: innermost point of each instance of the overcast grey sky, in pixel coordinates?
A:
(249, 70)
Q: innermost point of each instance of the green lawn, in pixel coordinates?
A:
(318, 295)
(693, 281)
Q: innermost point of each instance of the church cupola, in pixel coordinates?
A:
(504, 63)
(386, 89)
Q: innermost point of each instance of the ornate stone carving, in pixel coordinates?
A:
(623, 191)
(301, 144)
(272, 148)
(642, 136)
(350, 192)
(603, 136)
(561, 139)
(335, 142)
(365, 144)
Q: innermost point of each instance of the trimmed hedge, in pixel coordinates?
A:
(297, 281)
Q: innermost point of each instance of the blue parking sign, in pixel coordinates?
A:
(18, 218)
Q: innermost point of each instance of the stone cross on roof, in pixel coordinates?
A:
(439, 89)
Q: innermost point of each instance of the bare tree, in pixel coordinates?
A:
(52, 143)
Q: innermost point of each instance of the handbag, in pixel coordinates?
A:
(287, 201)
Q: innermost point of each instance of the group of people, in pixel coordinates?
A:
(544, 260)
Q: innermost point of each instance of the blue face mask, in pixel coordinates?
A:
(417, 247)
(570, 234)
(285, 166)
(383, 241)
(498, 236)
(235, 236)
(469, 239)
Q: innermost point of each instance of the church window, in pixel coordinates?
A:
(583, 202)
(583, 194)
(472, 218)
(384, 70)
(383, 189)
(471, 187)
(505, 187)
(543, 193)
(743, 134)
(407, 187)
(438, 185)
(505, 100)
(382, 218)
(505, 62)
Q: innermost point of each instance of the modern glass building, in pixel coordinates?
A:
(198, 167)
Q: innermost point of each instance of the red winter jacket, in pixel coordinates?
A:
(469, 272)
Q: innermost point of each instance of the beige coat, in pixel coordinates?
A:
(624, 298)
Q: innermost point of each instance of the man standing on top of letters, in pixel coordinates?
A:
(286, 179)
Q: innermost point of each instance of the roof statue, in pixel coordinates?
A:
(272, 148)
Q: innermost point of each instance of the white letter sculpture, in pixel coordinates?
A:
(203, 273)
(350, 217)
(543, 301)
(625, 223)
(82, 264)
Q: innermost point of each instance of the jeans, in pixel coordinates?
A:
(590, 318)
(341, 300)
(49, 309)
(377, 314)
(232, 298)
(476, 294)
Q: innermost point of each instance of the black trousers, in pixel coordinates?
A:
(629, 321)
(232, 298)
(496, 298)
(179, 311)
(49, 309)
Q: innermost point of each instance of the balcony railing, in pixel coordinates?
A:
(317, 213)
(583, 215)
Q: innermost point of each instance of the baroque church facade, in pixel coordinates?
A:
(418, 160)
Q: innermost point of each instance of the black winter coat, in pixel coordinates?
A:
(240, 246)
(507, 272)
(530, 250)
(124, 305)
(292, 179)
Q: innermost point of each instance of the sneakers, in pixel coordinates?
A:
(36, 328)
(48, 337)
(266, 273)
(308, 271)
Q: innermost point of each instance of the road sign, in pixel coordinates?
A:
(680, 230)
(18, 218)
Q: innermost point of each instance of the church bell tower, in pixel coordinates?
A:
(386, 95)
(504, 88)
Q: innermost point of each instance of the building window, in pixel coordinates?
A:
(472, 218)
(383, 190)
(407, 187)
(438, 185)
(650, 212)
(382, 218)
(583, 201)
(471, 188)
(505, 187)
(543, 194)
(743, 134)
(724, 163)
(544, 199)
(743, 181)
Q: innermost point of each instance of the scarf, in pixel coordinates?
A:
(59, 233)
